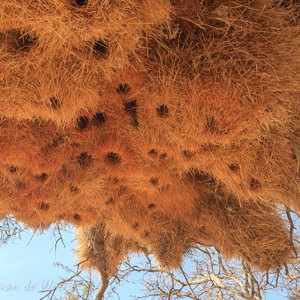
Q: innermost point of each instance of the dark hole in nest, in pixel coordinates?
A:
(82, 123)
(135, 122)
(151, 206)
(146, 234)
(162, 110)
(84, 159)
(210, 147)
(12, 169)
(130, 107)
(43, 176)
(254, 184)
(195, 175)
(234, 167)
(77, 217)
(163, 156)
(81, 2)
(74, 189)
(203, 177)
(100, 46)
(154, 180)
(23, 42)
(152, 152)
(44, 206)
(99, 118)
(135, 225)
(113, 157)
(60, 216)
(115, 180)
(55, 143)
(188, 154)
(110, 200)
(122, 189)
(210, 123)
(55, 102)
(123, 88)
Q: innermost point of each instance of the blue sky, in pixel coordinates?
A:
(27, 266)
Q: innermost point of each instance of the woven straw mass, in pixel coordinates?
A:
(153, 125)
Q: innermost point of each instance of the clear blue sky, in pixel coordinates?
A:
(27, 266)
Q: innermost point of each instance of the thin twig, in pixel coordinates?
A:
(187, 281)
